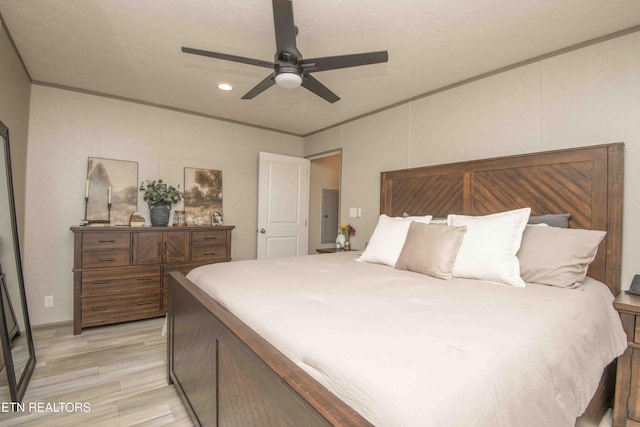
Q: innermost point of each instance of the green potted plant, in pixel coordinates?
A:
(160, 197)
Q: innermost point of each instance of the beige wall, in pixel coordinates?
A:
(325, 174)
(68, 127)
(588, 96)
(15, 88)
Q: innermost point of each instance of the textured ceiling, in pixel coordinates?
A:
(131, 48)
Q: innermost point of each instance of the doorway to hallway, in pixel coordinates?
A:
(324, 200)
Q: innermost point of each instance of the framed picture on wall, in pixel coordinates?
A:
(114, 181)
(203, 196)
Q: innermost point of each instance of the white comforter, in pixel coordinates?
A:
(404, 349)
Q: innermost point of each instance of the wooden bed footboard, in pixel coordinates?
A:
(226, 374)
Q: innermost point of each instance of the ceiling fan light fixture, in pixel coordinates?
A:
(225, 86)
(288, 80)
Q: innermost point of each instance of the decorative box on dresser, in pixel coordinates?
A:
(626, 410)
(121, 273)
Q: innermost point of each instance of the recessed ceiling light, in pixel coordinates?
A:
(225, 86)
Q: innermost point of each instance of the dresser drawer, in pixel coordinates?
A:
(208, 253)
(208, 238)
(120, 305)
(104, 282)
(101, 259)
(108, 240)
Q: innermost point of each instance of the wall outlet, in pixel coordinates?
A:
(48, 301)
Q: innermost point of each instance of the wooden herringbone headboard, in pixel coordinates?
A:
(585, 182)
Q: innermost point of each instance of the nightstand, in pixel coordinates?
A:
(332, 250)
(626, 408)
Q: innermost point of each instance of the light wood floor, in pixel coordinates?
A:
(119, 370)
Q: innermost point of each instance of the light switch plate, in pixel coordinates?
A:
(355, 212)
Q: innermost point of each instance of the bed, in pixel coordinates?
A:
(228, 374)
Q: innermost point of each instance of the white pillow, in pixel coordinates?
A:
(388, 238)
(489, 248)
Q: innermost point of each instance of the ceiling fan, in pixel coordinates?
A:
(289, 69)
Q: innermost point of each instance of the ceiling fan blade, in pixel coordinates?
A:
(343, 61)
(261, 87)
(285, 27)
(243, 60)
(311, 83)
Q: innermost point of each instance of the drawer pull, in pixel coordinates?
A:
(144, 302)
(100, 282)
(144, 279)
(100, 308)
(210, 238)
(107, 241)
(209, 253)
(106, 259)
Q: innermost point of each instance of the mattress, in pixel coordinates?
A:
(405, 349)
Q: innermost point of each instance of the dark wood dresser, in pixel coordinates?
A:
(626, 409)
(121, 273)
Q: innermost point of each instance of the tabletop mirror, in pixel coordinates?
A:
(18, 357)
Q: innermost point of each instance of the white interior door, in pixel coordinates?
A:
(283, 206)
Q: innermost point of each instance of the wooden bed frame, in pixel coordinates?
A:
(226, 374)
